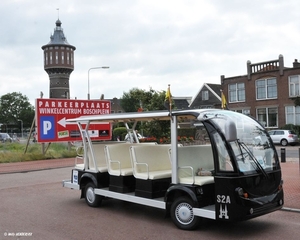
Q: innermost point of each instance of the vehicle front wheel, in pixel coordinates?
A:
(182, 214)
(91, 198)
(284, 142)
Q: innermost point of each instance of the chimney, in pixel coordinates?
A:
(296, 64)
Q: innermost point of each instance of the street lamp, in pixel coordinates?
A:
(104, 67)
(21, 126)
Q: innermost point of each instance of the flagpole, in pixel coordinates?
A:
(223, 101)
(170, 100)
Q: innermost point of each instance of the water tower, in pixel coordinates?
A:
(59, 63)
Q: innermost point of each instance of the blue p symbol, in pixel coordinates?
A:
(47, 128)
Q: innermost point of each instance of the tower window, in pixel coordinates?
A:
(50, 57)
(46, 58)
(56, 57)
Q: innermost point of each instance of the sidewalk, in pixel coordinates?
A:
(291, 184)
(290, 175)
(36, 165)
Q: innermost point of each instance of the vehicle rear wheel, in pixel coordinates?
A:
(284, 142)
(182, 214)
(91, 198)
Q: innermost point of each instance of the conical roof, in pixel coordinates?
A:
(58, 37)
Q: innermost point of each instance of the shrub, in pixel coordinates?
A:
(295, 128)
(119, 131)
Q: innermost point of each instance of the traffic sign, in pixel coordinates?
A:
(51, 116)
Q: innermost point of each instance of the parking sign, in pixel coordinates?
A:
(51, 116)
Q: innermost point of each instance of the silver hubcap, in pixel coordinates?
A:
(184, 213)
(90, 195)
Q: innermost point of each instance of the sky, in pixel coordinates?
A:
(146, 43)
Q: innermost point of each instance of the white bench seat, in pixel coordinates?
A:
(120, 171)
(151, 161)
(154, 174)
(190, 160)
(79, 166)
(99, 155)
(197, 180)
(118, 159)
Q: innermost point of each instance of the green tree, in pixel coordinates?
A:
(14, 107)
(150, 100)
(136, 99)
(147, 100)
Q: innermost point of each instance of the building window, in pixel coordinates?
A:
(244, 111)
(56, 57)
(68, 58)
(46, 58)
(268, 117)
(237, 92)
(292, 115)
(62, 57)
(50, 57)
(204, 95)
(266, 88)
(294, 86)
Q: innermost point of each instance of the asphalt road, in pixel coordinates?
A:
(36, 205)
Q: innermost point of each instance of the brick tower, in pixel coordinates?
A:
(59, 63)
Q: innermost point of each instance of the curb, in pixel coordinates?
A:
(290, 209)
(35, 170)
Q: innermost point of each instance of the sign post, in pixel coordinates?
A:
(51, 116)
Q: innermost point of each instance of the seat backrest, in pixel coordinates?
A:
(120, 153)
(155, 156)
(196, 156)
(99, 154)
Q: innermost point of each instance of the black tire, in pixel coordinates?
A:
(91, 198)
(284, 142)
(182, 214)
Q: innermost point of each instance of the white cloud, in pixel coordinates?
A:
(146, 43)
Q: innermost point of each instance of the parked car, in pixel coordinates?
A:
(4, 137)
(284, 137)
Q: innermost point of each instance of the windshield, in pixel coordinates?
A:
(252, 149)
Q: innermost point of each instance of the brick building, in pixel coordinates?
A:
(268, 92)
